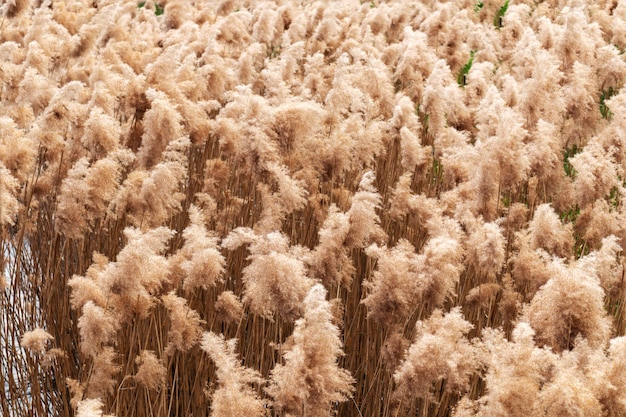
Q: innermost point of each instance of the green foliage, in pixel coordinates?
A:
(158, 10)
(567, 166)
(604, 109)
(272, 51)
(465, 70)
(614, 198)
(423, 118)
(436, 173)
(478, 6)
(506, 200)
(570, 215)
(581, 248)
(497, 21)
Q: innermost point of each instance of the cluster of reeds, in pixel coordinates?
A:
(308, 208)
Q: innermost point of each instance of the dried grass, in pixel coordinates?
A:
(312, 208)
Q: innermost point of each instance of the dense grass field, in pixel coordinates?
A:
(245, 208)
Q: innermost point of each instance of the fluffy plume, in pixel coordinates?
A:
(89, 287)
(77, 390)
(87, 191)
(235, 396)
(35, 90)
(36, 340)
(485, 248)
(229, 307)
(548, 233)
(102, 132)
(329, 261)
(290, 192)
(364, 221)
(541, 88)
(442, 268)
(403, 279)
(276, 280)
(17, 151)
(396, 287)
(103, 376)
(580, 99)
(595, 174)
(310, 381)
(97, 328)
(442, 99)
(394, 350)
(414, 156)
(340, 232)
(599, 221)
(9, 204)
(140, 271)
(530, 267)
(516, 371)
(569, 305)
(405, 119)
(613, 381)
(151, 372)
(439, 352)
(419, 208)
(103, 180)
(504, 162)
(185, 330)
(203, 264)
(91, 408)
(568, 392)
(483, 295)
(162, 124)
(151, 198)
(72, 218)
(605, 264)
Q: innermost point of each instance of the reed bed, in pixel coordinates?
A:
(312, 208)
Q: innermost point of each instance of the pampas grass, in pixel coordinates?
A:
(278, 208)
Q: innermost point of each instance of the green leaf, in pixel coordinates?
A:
(158, 10)
(465, 70)
(497, 21)
(614, 197)
(604, 109)
(141, 4)
(478, 6)
(567, 166)
(506, 200)
(570, 215)
(437, 172)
